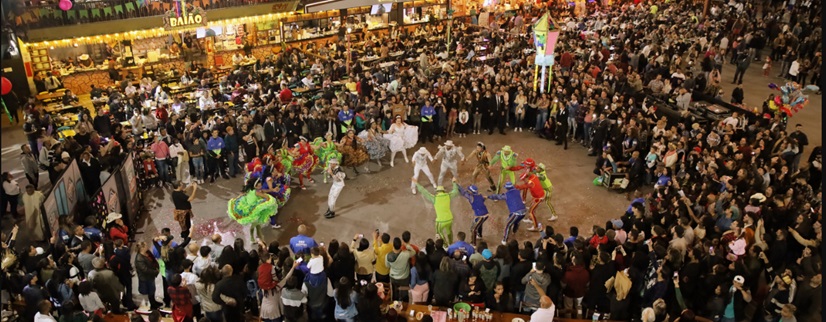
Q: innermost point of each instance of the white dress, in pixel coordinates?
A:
(402, 137)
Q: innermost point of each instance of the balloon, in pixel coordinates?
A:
(65, 5)
(777, 100)
(5, 85)
(772, 85)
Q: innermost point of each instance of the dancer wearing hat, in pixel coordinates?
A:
(420, 159)
(304, 161)
(441, 202)
(547, 186)
(326, 151)
(402, 136)
(507, 159)
(338, 175)
(480, 211)
(516, 209)
(483, 162)
(529, 166)
(450, 154)
(532, 184)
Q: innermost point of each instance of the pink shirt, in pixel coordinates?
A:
(161, 150)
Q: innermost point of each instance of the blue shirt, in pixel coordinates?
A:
(631, 208)
(302, 244)
(345, 116)
(348, 313)
(427, 113)
(215, 143)
(462, 247)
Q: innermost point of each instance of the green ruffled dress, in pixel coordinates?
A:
(248, 208)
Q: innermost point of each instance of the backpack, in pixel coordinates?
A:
(488, 276)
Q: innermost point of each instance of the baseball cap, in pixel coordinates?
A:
(486, 254)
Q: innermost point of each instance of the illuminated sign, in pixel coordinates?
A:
(184, 15)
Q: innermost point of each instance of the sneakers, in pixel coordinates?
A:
(504, 243)
(534, 229)
(329, 214)
(275, 226)
(526, 219)
(553, 218)
(414, 190)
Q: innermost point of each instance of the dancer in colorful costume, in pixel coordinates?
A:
(480, 211)
(338, 175)
(420, 159)
(402, 136)
(304, 161)
(482, 165)
(326, 150)
(253, 208)
(353, 151)
(507, 159)
(375, 143)
(441, 202)
(532, 184)
(450, 155)
(516, 209)
(546, 184)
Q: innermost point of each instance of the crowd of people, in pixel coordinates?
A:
(731, 230)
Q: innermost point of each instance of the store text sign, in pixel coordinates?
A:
(192, 17)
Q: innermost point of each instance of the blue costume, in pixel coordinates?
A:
(480, 211)
(516, 207)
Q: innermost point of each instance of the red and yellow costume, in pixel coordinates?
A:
(304, 161)
(534, 186)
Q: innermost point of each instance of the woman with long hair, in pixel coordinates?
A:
(368, 304)
(204, 287)
(419, 279)
(346, 299)
(376, 144)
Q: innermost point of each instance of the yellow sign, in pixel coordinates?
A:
(184, 16)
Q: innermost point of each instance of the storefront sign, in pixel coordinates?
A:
(284, 6)
(186, 16)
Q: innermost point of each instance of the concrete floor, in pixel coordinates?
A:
(382, 200)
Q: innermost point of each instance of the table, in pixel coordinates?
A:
(48, 96)
(397, 54)
(368, 60)
(58, 108)
(497, 316)
(387, 64)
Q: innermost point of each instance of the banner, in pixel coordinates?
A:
(551, 43)
(110, 194)
(130, 186)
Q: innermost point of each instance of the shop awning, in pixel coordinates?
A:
(344, 4)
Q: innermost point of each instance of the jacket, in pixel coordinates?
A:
(441, 201)
(477, 202)
(146, 268)
(534, 186)
(531, 294)
(513, 198)
(576, 281)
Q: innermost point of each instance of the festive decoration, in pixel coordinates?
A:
(65, 5)
(545, 36)
(791, 99)
(5, 85)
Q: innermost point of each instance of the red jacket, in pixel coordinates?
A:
(576, 281)
(119, 232)
(534, 186)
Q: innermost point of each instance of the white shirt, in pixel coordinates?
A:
(544, 314)
(421, 156)
(11, 188)
(43, 318)
(91, 302)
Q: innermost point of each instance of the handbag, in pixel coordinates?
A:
(598, 181)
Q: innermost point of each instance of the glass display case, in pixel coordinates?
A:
(416, 12)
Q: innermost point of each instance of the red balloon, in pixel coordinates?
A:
(5, 85)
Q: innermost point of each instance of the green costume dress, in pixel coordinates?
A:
(546, 185)
(249, 208)
(444, 216)
(508, 159)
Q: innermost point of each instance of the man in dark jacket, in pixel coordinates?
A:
(90, 172)
(231, 150)
(519, 270)
(232, 287)
(106, 284)
(562, 127)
